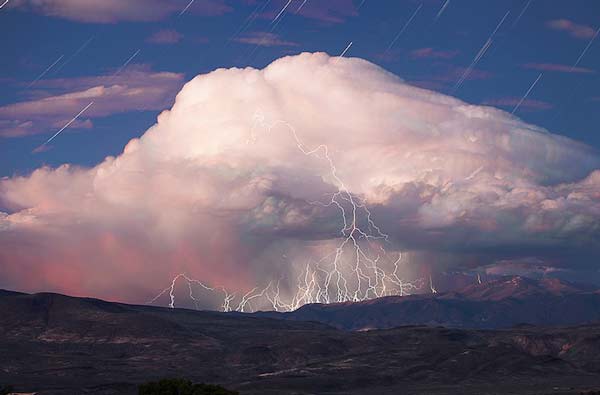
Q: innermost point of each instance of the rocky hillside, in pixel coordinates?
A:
(501, 303)
(56, 344)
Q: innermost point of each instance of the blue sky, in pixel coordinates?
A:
(431, 53)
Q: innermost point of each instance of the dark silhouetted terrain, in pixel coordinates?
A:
(501, 303)
(56, 344)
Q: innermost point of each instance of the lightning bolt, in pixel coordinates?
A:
(355, 270)
(431, 287)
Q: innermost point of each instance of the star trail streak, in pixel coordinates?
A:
(526, 94)
(585, 50)
(404, 28)
(66, 126)
(479, 55)
(39, 77)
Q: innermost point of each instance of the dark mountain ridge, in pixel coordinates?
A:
(500, 303)
(55, 344)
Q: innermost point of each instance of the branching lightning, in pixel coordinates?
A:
(358, 269)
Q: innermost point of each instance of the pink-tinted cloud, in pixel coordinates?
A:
(454, 73)
(224, 186)
(527, 104)
(561, 68)
(137, 88)
(574, 29)
(331, 11)
(165, 36)
(445, 75)
(448, 76)
(264, 39)
(430, 53)
(111, 11)
(526, 266)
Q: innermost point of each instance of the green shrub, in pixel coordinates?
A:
(182, 387)
(5, 389)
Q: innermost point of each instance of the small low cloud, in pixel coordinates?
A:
(525, 267)
(574, 29)
(327, 12)
(165, 36)
(265, 39)
(113, 11)
(430, 53)
(560, 68)
(331, 11)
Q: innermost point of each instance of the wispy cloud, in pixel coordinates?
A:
(264, 39)
(137, 88)
(165, 36)
(560, 68)
(430, 53)
(111, 11)
(330, 11)
(574, 29)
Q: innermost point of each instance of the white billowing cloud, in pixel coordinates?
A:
(219, 187)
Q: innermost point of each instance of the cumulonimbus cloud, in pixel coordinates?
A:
(221, 189)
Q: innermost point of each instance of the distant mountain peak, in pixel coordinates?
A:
(519, 287)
